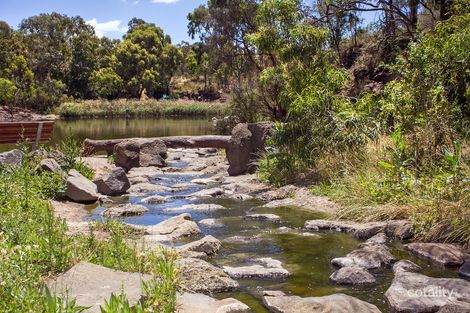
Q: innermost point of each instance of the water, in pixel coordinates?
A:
(306, 257)
(122, 128)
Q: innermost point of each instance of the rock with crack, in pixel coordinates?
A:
(359, 230)
(440, 253)
(196, 208)
(154, 199)
(173, 228)
(113, 184)
(206, 246)
(90, 285)
(141, 152)
(368, 257)
(197, 275)
(127, 209)
(417, 293)
(211, 223)
(200, 303)
(352, 275)
(262, 268)
(80, 189)
(337, 303)
(264, 217)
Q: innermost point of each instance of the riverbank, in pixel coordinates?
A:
(141, 108)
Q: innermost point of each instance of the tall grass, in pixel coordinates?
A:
(137, 108)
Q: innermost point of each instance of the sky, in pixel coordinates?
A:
(109, 17)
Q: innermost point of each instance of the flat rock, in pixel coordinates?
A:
(368, 257)
(264, 217)
(80, 188)
(210, 207)
(243, 239)
(352, 275)
(91, 284)
(127, 209)
(143, 188)
(155, 199)
(211, 223)
(200, 303)
(207, 193)
(440, 253)
(204, 181)
(417, 293)
(113, 184)
(197, 275)
(11, 158)
(335, 303)
(359, 230)
(464, 271)
(171, 229)
(206, 246)
(405, 266)
(263, 268)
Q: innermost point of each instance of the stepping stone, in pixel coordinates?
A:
(406, 266)
(211, 223)
(200, 303)
(92, 284)
(208, 245)
(210, 207)
(335, 303)
(154, 200)
(359, 230)
(264, 217)
(172, 229)
(207, 193)
(263, 268)
(368, 257)
(440, 253)
(243, 239)
(353, 275)
(204, 181)
(125, 210)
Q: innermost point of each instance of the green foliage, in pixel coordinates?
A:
(72, 151)
(7, 92)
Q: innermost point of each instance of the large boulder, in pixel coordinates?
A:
(200, 303)
(200, 276)
(337, 303)
(90, 285)
(245, 146)
(132, 153)
(113, 184)
(11, 158)
(440, 253)
(80, 189)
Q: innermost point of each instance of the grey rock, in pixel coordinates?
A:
(125, 210)
(264, 217)
(359, 230)
(262, 268)
(204, 181)
(11, 158)
(211, 223)
(464, 271)
(206, 207)
(335, 303)
(90, 285)
(50, 165)
(140, 153)
(368, 257)
(379, 239)
(200, 276)
(207, 193)
(155, 199)
(352, 275)
(80, 188)
(171, 229)
(113, 184)
(208, 245)
(143, 188)
(405, 266)
(454, 306)
(200, 303)
(401, 229)
(440, 253)
(243, 239)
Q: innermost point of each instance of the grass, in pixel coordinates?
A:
(34, 245)
(137, 108)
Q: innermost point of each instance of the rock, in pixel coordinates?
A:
(417, 293)
(440, 253)
(368, 257)
(200, 303)
(132, 153)
(91, 284)
(263, 268)
(454, 306)
(352, 275)
(211, 222)
(11, 158)
(125, 210)
(208, 245)
(238, 197)
(143, 188)
(464, 271)
(196, 208)
(113, 184)
(243, 239)
(405, 266)
(264, 217)
(401, 229)
(246, 145)
(207, 193)
(335, 303)
(80, 188)
(379, 239)
(154, 200)
(173, 228)
(203, 181)
(50, 165)
(200, 276)
(359, 230)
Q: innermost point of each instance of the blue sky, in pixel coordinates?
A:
(109, 17)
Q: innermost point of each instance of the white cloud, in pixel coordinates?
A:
(102, 29)
(165, 1)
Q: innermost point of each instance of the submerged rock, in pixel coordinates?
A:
(200, 303)
(352, 275)
(337, 303)
(80, 188)
(368, 257)
(264, 217)
(263, 268)
(208, 245)
(113, 184)
(440, 253)
(127, 209)
(90, 285)
(243, 239)
(197, 275)
(171, 229)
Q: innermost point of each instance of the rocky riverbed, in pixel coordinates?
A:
(248, 247)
